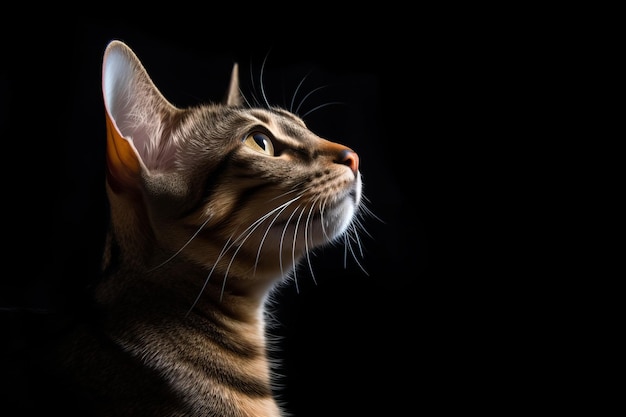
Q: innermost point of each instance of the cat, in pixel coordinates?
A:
(211, 207)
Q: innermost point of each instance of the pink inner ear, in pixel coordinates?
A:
(122, 163)
(136, 110)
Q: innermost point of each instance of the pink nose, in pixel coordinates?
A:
(350, 158)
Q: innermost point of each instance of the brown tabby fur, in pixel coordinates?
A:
(195, 246)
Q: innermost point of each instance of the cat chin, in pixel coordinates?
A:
(339, 217)
(337, 221)
(317, 231)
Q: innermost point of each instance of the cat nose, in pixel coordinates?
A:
(349, 158)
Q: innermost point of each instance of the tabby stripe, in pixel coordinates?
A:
(222, 332)
(222, 370)
(245, 384)
(249, 192)
(250, 387)
(244, 196)
(208, 187)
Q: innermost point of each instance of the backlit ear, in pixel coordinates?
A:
(135, 114)
(121, 158)
(233, 97)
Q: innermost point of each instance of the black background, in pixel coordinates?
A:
(422, 102)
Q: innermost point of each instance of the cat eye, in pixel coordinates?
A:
(259, 142)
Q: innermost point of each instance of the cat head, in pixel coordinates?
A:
(247, 191)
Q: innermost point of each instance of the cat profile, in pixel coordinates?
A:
(211, 206)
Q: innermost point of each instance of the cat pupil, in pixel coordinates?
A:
(259, 142)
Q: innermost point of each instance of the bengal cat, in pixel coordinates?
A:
(211, 207)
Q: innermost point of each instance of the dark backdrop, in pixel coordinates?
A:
(405, 331)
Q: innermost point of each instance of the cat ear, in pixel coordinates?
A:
(135, 110)
(234, 98)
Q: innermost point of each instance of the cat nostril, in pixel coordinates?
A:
(349, 158)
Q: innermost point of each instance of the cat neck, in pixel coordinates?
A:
(133, 253)
(179, 289)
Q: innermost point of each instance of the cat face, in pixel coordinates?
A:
(248, 191)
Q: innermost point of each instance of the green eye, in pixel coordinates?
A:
(260, 143)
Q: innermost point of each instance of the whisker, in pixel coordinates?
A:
(306, 242)
(267, 103)
(228, 245)
(357, 240)
(206, 281)
(293, 245)
(295, 93)
(182, 247)
(365, 210)
(249, 230)
(359, 225)
(282, 238)
(322, 206)
(307, 96)
(286, 193)
(258, 254)
(248, 104)
(240, 240)
(346, 243)
(319, 107)
(354, 257)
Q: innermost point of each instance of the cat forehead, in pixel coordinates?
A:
(241, 120)
(277, 118)
(280, 120)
